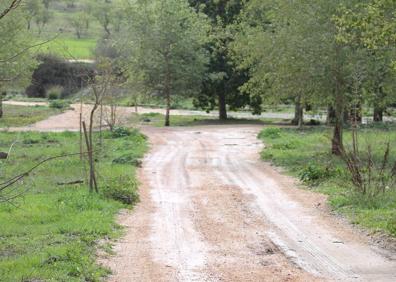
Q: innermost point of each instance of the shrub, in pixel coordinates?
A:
(314, 122)
(392, 226)
(59, 104)
(272, 133)
(122, 189)
(285, 146)
(120, 132)
(57, 71)
(55, 93)
(313, 173)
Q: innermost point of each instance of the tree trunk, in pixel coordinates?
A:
(92, 179)
(298, 112)
(330, 115)
(336, 144)
(222, 106)
(1, 107)
(168, 105)
(378, 114)
(356, 114)
(301, 118)
(167, 91)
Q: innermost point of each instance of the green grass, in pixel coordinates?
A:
(51, 232)
(16, 116)
(306, 155)
(158, 120)
(70, 48)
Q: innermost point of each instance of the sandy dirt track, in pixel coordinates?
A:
(212, 211)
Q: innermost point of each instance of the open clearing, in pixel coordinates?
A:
(212, 211)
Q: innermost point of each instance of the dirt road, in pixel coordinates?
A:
(212, 211)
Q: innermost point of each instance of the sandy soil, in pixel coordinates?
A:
(212, 211)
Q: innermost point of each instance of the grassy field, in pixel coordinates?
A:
(70, 48)
(51, 232)
(306, 154)
(15, 116)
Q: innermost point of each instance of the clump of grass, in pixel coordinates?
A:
(59, 104)
(272, 133)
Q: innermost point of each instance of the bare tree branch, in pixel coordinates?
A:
(18, 177)
(27, 49)
(14, 4)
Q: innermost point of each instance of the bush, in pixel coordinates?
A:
(57, 71)
(122, 189)
(313, 173)
(272, 133)
(314, 122)
(285, 146)
(392, 227)
(55, 93)
(120, 132)
(59, 104)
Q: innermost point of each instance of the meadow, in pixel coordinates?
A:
(51, 230)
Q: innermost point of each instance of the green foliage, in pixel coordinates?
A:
(222, 81)
(162, 47)
(272, 133)
(59, 104)
(55, 93)
(122, 189)
(120, 132)
(16, 60)
(313, 173)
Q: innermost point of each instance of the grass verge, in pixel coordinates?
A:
(50, 233)
(306, 155)
(158, 120)
(16, 116)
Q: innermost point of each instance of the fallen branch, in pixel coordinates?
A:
(15, 179)
(70, 182)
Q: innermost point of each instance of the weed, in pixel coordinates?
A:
(59, 104)
(272, 133)
(123, 189)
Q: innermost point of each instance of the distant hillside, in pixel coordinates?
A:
(71, 22)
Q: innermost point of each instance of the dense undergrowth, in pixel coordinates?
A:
(306, 154)
(50, 232)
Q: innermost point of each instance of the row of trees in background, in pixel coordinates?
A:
(316, 53)
(79, 14)
(238, 54)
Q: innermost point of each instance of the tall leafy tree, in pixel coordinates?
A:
(221, 85)
(15, 61)
(162, 47)
(15, 43)
(291, 49)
